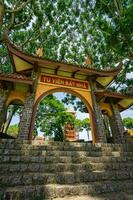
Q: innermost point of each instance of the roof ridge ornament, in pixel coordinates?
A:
(88, 60)
(39, 52)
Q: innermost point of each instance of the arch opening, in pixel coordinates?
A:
(107, 124)
(12, 116)
(79, 129)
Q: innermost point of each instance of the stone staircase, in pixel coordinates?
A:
(63, 171)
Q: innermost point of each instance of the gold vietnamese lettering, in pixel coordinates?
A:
(70, 84)
(53, 80)
(64, 82)
(43, 78)
(59, 82)
(84, 85)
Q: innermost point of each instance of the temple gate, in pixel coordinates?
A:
(33, 78)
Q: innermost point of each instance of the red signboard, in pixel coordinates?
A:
(64, 82)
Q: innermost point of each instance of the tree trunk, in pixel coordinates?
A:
(9, 119)
(2, 10)
(88, 135)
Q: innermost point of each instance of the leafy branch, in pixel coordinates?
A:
(15, 9)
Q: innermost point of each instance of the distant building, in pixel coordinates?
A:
(70, 133)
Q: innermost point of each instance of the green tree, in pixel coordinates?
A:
(128, 122)
(77, 103)
(68, 30)
(12, 111)
(52, 117)
(114, 22)
(86, 126)
(81, 125)
(13, 130)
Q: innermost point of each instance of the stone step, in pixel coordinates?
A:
(55, 191)
(87, 153)
(13, 179)
(63, 167)
(20, 144)
(31, 152)
(111, 196)
(63, 159)
(65, 170)
(129, 196)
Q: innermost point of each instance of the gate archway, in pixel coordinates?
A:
(84, 98)
(34, 77)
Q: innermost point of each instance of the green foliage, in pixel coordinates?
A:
(115, 23)
(78, 125)
(67, 30)
(52, 117)
(128, 122)
(81, 125)
(13, 130)
(86, 124)
(77, 104)
(13, 110)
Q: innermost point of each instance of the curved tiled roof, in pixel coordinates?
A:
(124, 101)
(32, 59)
(113, 94)
(15, 77)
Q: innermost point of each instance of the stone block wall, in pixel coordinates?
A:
(25, 119)
(100, 135)
(99, 123)
(116, 125)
